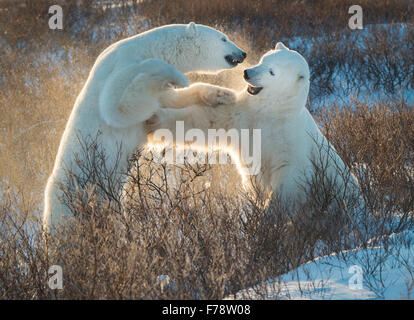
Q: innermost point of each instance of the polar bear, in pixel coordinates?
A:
(274, 102)
(127, 84)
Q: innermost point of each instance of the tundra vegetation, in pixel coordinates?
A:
(201, 231)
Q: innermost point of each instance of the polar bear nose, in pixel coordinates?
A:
(246, 75)
(244, 54)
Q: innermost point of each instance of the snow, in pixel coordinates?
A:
(385, 272)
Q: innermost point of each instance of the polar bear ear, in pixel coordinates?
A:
(192, 28)
(281, 46)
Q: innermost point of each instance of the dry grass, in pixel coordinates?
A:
(208, 241)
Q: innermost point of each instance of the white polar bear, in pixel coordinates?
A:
(126, 85)
(274, 102)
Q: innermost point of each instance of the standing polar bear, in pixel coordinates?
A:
(274, 102)
(127, 84)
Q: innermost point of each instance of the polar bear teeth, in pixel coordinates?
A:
(253, 90)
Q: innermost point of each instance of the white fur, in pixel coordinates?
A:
(125, 87)
(290, 137)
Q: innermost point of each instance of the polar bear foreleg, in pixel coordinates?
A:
(197, 94)
(132, 94)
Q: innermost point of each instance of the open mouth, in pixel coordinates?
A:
(232, 60)
(253, 90)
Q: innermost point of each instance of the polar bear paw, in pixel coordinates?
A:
(214, 95)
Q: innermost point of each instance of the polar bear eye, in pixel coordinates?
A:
(271, 72)
(224, 39)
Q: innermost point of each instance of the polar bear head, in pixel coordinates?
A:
(202, 48)
(282, 74)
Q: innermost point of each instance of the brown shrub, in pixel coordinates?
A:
(210, 242)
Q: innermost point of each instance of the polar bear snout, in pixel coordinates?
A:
(252, 89)
(235, 58)
(251, 74)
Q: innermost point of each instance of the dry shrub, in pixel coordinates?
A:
(23, 256)
(378, 140)
(282, 18)
(208, 241)
(170, 225)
